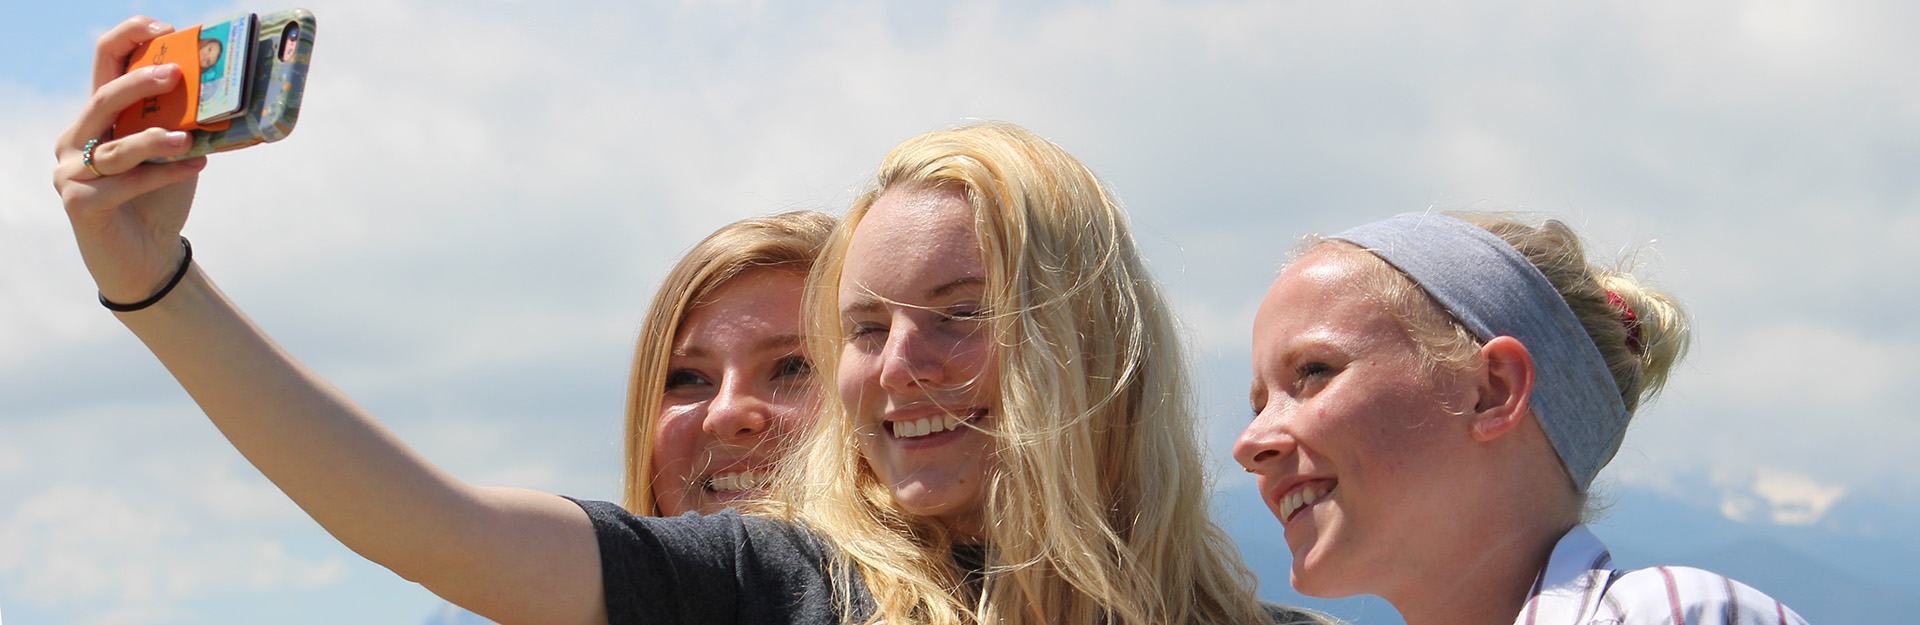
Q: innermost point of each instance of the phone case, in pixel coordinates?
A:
(279, 80)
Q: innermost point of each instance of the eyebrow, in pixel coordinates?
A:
(974, 281)
(770, 343)
(777, 341)
(873, 304)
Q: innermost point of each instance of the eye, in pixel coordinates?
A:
(792, 366)
(682, 378)
(964, 312)
(865, 331)
(1311, 376)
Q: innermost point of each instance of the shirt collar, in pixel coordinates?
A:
(1568, 587)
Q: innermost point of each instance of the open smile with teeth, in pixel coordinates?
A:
(1303, 496)
(929, 425)
(738, 481)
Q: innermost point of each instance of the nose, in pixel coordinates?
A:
(909, 359)
(737, 413)
(1264, 443)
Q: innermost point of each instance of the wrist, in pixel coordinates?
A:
(186, 262)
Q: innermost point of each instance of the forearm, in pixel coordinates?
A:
(514, 555)
(323, 450)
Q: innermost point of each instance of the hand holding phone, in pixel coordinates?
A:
(244, 80)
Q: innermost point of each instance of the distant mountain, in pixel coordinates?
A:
(1821, 593)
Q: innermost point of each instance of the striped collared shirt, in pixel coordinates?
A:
(1579, 586)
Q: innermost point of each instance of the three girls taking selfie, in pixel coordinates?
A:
(972, 408)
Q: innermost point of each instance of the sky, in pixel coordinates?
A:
(465, 227)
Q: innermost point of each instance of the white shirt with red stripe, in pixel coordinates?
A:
(1579, 586)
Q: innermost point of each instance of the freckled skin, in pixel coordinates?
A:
(733, 398)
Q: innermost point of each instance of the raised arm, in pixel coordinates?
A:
(513, 555)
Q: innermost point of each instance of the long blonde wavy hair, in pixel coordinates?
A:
(784, 242)
(1096, 508)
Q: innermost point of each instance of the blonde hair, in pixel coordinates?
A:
(1096, 506)
(1639, 365)
(785, 242)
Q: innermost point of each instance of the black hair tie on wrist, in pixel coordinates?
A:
(185, 262)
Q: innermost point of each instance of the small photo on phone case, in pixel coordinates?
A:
(225, 53)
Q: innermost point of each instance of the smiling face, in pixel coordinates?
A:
(917, 373)
(738, 383)
(1351, 441)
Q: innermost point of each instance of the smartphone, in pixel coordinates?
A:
(255, 96)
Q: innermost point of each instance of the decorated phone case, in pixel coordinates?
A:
(282, 49)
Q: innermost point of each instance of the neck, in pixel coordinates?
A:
(1490, 558)
(1487, 583)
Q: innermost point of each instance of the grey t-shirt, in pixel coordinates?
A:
(728, 568)
(721, 568)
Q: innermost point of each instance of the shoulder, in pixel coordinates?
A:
(1679, 594)
(724, 532)
(718, 568)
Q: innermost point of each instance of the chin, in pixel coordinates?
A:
(921, 503)
(1314, 579)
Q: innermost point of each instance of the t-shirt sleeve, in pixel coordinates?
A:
(721, 568)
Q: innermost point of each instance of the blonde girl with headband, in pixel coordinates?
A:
(1434, 396)
(1011, 439)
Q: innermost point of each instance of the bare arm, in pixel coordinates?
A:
(509, 554)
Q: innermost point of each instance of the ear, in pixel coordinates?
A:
(1505, 388)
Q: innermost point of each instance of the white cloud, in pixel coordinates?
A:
(1765, 366)
(122, 512)
(1783, 497)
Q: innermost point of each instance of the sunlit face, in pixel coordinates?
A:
(1350, 440)
(738, 385)
(918, 370)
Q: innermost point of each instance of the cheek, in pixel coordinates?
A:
(677, 441)
(796, 413)
(977, 365)
(857, 373)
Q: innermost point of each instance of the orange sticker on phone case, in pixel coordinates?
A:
(173, 110)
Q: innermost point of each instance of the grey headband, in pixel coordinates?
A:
(1494, 291)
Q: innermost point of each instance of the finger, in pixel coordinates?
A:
(123, 155)
(115, 96)
(83, 197)
(110, 53)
